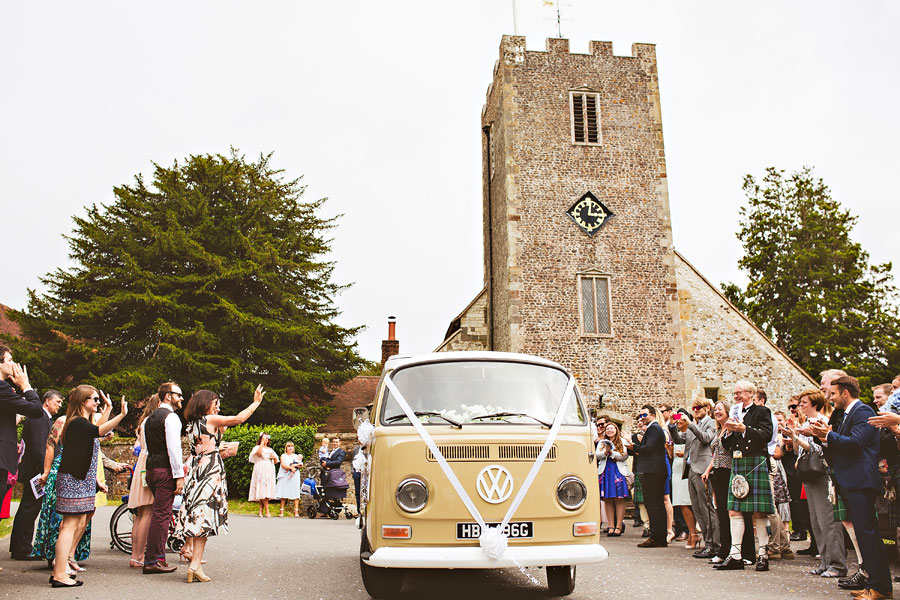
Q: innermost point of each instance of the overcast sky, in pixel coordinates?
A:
(377, 105)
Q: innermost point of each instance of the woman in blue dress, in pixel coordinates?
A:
(76, 478)
(613, 480)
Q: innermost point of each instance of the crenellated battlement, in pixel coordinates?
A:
(513, 49)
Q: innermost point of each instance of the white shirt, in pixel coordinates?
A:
(172, 425)
(49, 416)
(774, 441)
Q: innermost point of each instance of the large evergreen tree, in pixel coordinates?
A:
(812, 288)
(212, 276)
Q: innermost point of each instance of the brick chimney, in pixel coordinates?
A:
(390, 346)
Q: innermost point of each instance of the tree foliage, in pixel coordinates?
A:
(212, 276)
(812, 288)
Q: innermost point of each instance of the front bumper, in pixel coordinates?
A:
(473, 557)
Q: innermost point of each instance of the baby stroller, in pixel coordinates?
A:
(328, 495)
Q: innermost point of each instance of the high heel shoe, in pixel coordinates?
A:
(198, 575)
(185, 555)
(692, 541)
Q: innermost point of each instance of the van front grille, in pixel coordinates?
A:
(461, 452)
(524, 452)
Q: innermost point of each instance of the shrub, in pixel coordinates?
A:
(239, 468)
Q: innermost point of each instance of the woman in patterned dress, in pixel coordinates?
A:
(76, 480)
(48, 522)
(204, 508)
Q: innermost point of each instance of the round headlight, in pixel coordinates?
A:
(571, 493)
(412, 495)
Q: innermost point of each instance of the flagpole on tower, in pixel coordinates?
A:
(515, 19)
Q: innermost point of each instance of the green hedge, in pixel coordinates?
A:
(239, 468)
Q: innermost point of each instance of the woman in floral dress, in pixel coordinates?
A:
(262, 480)
(204, 508)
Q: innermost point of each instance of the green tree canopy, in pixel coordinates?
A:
(812, 288)
(213, 276)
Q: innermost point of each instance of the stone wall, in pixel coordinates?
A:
(469, 331)
(721, 345)
(534, 252)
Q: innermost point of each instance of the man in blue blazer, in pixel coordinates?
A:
(852, 453)
(651, 447)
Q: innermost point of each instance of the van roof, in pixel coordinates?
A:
(404, 360)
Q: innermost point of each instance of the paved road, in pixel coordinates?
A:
(299, 558)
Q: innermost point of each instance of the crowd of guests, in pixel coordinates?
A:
(60, 463)
(734, 477)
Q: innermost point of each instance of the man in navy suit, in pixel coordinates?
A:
(852, 452)
(16, 397)
(35, 432)
(651, 447)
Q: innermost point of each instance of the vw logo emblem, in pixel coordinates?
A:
(495, 484)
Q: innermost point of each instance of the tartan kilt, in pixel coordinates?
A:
(638, 489)
(839, 510)
(760, 497)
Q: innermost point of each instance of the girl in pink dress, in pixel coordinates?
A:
(262, 481)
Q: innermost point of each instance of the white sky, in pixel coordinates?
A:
(377, 105)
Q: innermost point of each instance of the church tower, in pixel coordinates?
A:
(579, 263)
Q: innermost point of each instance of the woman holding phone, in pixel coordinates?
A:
(613, 482)
(718, 473)
(76, 481)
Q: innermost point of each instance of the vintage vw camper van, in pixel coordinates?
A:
(483, 420)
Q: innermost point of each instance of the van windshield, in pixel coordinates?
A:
(469, 391)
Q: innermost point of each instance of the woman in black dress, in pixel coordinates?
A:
(76, 481)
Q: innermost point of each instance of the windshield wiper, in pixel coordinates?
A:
(425, 414)
(511, 414)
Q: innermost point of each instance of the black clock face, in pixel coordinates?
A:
(589, 213)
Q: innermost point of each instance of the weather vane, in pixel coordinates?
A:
(558, 6)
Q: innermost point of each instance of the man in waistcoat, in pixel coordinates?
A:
(165, 473)
(35, 432)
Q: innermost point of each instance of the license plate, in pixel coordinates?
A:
(471, 531)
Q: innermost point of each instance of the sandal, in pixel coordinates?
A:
(616, 532)
(75, 566)
(135, 563)
(296, 513)
(281, 513)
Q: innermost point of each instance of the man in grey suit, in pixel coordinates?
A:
(696, 436)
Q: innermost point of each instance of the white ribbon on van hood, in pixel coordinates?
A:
(492, 539)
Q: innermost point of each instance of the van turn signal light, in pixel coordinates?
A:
(585, 528)
(404, 532)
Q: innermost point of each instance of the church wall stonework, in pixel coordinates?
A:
(722, 346)
(536, 251)
(673, 334)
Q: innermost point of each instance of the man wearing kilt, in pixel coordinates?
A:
(749, 431)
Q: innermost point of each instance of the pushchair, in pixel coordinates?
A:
(328, 495)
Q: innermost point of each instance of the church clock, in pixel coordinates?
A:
(589, 213)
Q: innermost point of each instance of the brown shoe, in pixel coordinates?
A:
(651, 543)
(160, 567)
(868, 594)
(789, 555)
(774, 556)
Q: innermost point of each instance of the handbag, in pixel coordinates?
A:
(810, 467)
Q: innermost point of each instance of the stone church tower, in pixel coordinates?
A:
(578, 257)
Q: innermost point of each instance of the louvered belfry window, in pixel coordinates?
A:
(585, 117)
(594, 301)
